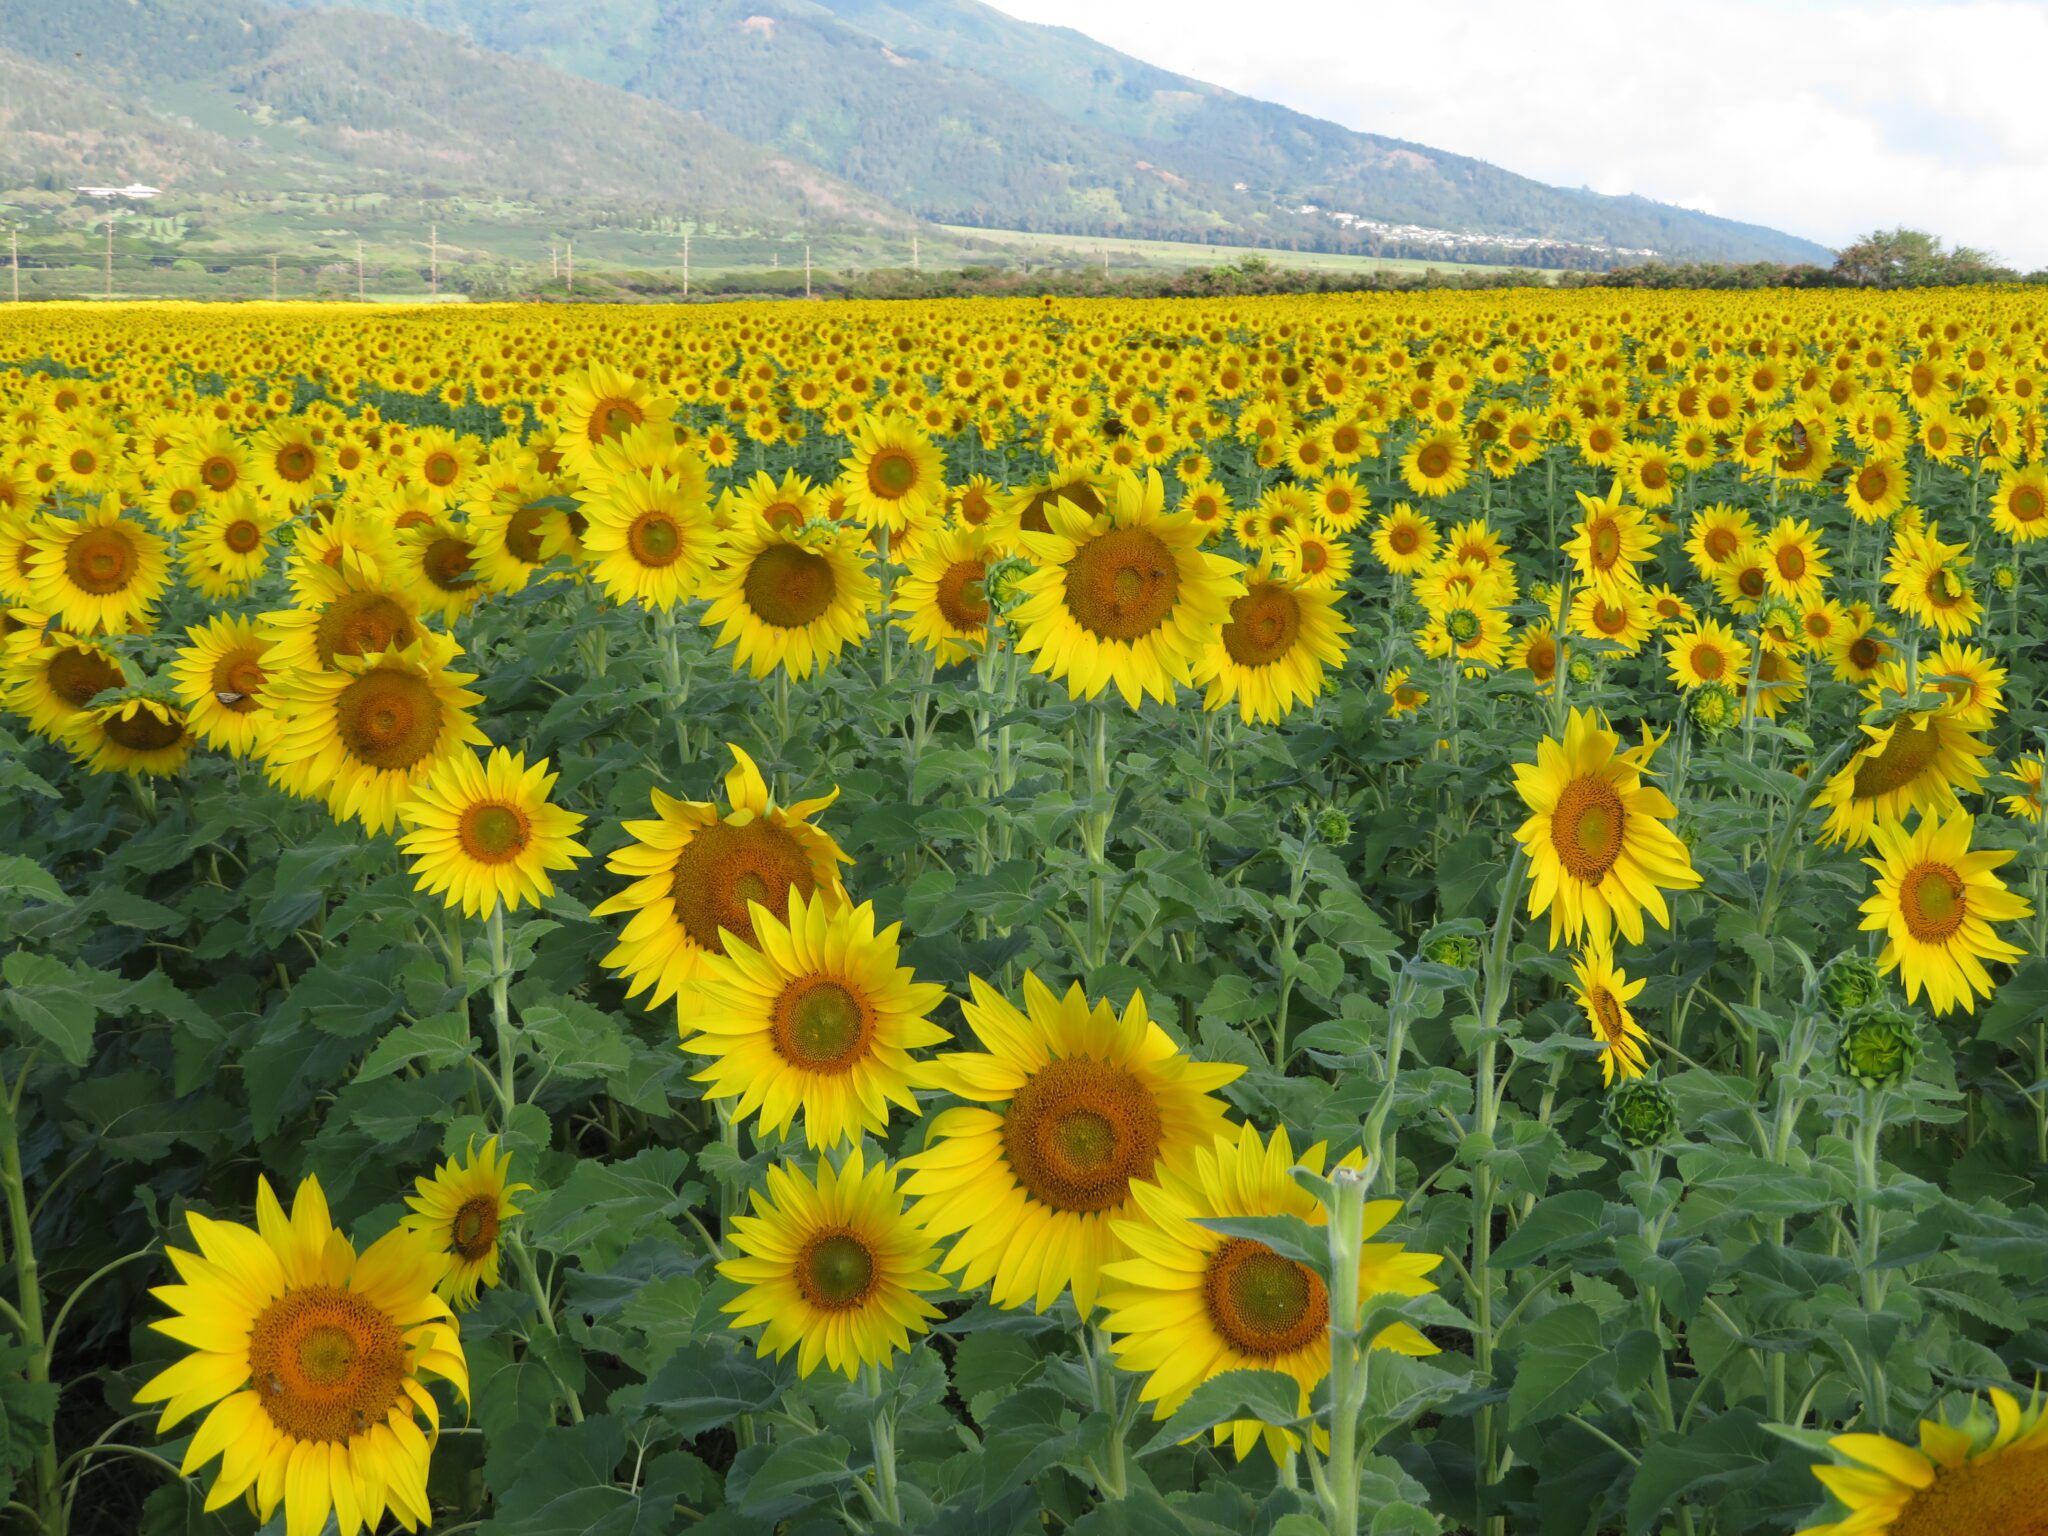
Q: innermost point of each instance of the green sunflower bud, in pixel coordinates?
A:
(1641, 1114)
(1333, 825)
(1460, 951)
(1714, 708)
(1850, 981)
(1004, 583)
(1580, 670)
(1878, 1048)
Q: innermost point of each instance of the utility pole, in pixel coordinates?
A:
(572, 266)
(554, 260)
(914, 267)
(686, 263)
(273, 277)
(14, 259)
(807, 269)
(434, 259)
(359, 271)
(110, 256)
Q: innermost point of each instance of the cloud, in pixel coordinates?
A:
(1822, 119)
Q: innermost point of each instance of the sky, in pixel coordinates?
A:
(1821, 119)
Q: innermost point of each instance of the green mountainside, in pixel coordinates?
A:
(962, 114)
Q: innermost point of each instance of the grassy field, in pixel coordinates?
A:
(1179, 253)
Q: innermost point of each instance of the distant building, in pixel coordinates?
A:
(134, 192)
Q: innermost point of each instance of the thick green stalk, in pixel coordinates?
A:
(1349, 1352)
(49, 1507)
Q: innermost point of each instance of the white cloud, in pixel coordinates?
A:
(1822, 119)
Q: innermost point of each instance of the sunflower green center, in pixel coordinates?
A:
(1265, 1305)
(821, 1026)
(835, 1271)
(655, 540)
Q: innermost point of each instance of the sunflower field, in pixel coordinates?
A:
(1364, 914)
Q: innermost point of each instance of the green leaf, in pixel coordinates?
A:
(602, 1207)
(441, 1041)
(30, 878)
(708, 1383)
(795, 1467)
(1561, 1223)
(1731, 1446)
(1561, 1360)
(56, 1002)
(576, 1040)
(1288, 1236)
(1272, 1397)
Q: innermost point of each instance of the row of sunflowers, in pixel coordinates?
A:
(1260, 671)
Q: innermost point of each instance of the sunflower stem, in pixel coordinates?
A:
(29, 1302)
(1114, 1477)
(882, 1427)
(1348, 1351)
(501, 1013)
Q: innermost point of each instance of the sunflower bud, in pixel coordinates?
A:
(1332, 825)
(1714, 708)
(1878, 1047)
(1004, 583)
(1460, 951)
(1580, 671)
(1850, 981)
(1641, 1114)
(2005, 578)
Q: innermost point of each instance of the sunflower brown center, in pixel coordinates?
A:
(242, 536)
(75, 676)
(1604, 543)
(1265, 1305)
(440, 468)
(1404, 538)
(2003, 1494)
(362, 624)
(1708, 662)
(1263, 626)
(100, 561)
(789, 587)
(1541, 658)
(220, 472)
(475, 1228)
(1587, 826)
(2027, 504)
(144, 731)
(1792, 562)
(821, 1025)
(1752, 583)
(1078, 1131)
(1433, 462)
(446, 563)
(1123, 584)
(655, 540)
(1872, 484)
(1909, 752)
(613, 417)
(237, 679)
(492, 832)
(1719, 543)
(294, 462)
(1607, 1015)
(388, 719)
(724, 867)
(522, 534)
(1933, 902)
(836, 1270)
(325, 1363)
(960, 595)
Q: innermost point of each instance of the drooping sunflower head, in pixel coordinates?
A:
(53, 680)
(1126, 596)
(1089, 1102)
(1987, 1473)
(815, 1014)
(1600, 851)
(1920, 762)
(1188, 1303)
(835, 1269)
(698, 873)
(1603, 992)
(463, 1209)
(309, 1359)
(137, 735)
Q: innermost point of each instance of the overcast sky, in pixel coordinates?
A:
(1822, 119)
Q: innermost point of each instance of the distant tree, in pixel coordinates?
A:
(1913, 258)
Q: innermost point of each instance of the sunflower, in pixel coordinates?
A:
(313, 1363)
(1780, 682)
(1930, 582)
(697, 875)
(1403, 696)
(833, 1270)
(436, 559)
(1190, 1303)
(602, 403)
(1535, 652)
(1607, 545)
(1919, 762)
(1720, 534)
(1795, 561)
(440, 464)
(484, 835)
(1935, 902)
(99, 572)
(1859, 648)
(1744, 583)
(1709, 652)
(1085, 1102)
(1600, 854)
(1626, 618)
(1124, 596)
(2019, 507)
(215, 458)
(1988, 1474)
(814, 1014)
(1341, 502)
(142, 736)
(2026, 775)
(218, 677)
(511, 531)
(790, 599)
(1404, 540)
(287, 462)
(1281, 639)
(19, 532)
(344, 611)
(1603, 992)
(52, 681)
(895, 476)
(943, 596)
(1437, 463)
(228, 546)
(649, 541)
(1971, 678)
(463, 1208)
(363, 735)
(1877, 489)
(1477, 635)
(787, 504)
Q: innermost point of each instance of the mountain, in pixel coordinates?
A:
(961, 114)
(237, 95)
